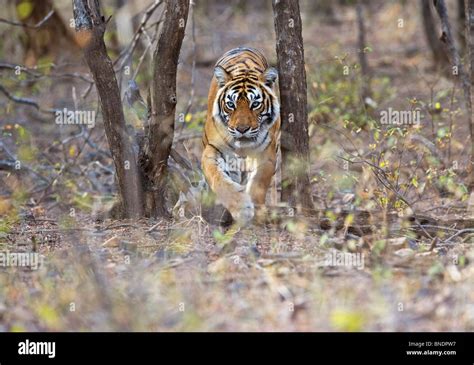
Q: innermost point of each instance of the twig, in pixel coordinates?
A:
(152, 228)
(128, 51)
(11, 66)
(35, 26)
(460, 232)
(25, 101)
(147, 48)
(12, 156)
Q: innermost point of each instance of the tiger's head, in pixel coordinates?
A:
(246, 104)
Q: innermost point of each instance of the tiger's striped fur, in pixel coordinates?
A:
(241, 133)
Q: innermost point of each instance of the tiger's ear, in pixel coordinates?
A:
(222, 76)
(270, 76)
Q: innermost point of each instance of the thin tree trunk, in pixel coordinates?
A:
(470, 36)
(51, 39)
(461, 26)
(458, 69)
(439, 56)
(469, 14)
(296, 188)
(90, 29)
(161, 129)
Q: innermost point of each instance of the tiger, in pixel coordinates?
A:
(241, 132)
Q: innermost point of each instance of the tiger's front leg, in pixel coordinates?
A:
(230, 194)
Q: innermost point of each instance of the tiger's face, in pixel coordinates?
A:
(246, 105)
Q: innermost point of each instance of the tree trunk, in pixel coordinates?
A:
(296, 188)
(90, 29)
(458, 70)
(362, 44)
(439, 56)
(470, 37)
(461, 26)
(161, 129)
(469, 14)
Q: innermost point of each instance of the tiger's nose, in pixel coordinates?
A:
(243, 129)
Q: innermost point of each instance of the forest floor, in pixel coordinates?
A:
(175, 275)
(160, 276)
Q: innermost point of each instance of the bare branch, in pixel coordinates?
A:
(38, 75)
(25, 101)
(35, 26)
(128, 51)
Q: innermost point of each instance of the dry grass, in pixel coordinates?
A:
(173, 279)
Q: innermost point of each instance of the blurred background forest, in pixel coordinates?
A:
(362, 60)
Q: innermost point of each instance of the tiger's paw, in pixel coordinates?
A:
(261, 213)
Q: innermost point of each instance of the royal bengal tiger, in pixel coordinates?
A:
(241, 132)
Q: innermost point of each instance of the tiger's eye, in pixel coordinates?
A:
(230, 105)
(255, 105)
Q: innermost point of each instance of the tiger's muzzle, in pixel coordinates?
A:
(243, 132)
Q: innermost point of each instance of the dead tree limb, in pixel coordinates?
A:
(296, 187)
(90, 29)
(161, 128)
(458, 70)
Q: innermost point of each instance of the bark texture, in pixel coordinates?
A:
(362, 44)
(90, 29)
(459, 71)
(161, 128)
(469, 13)
(296, 188)
(439, 56)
